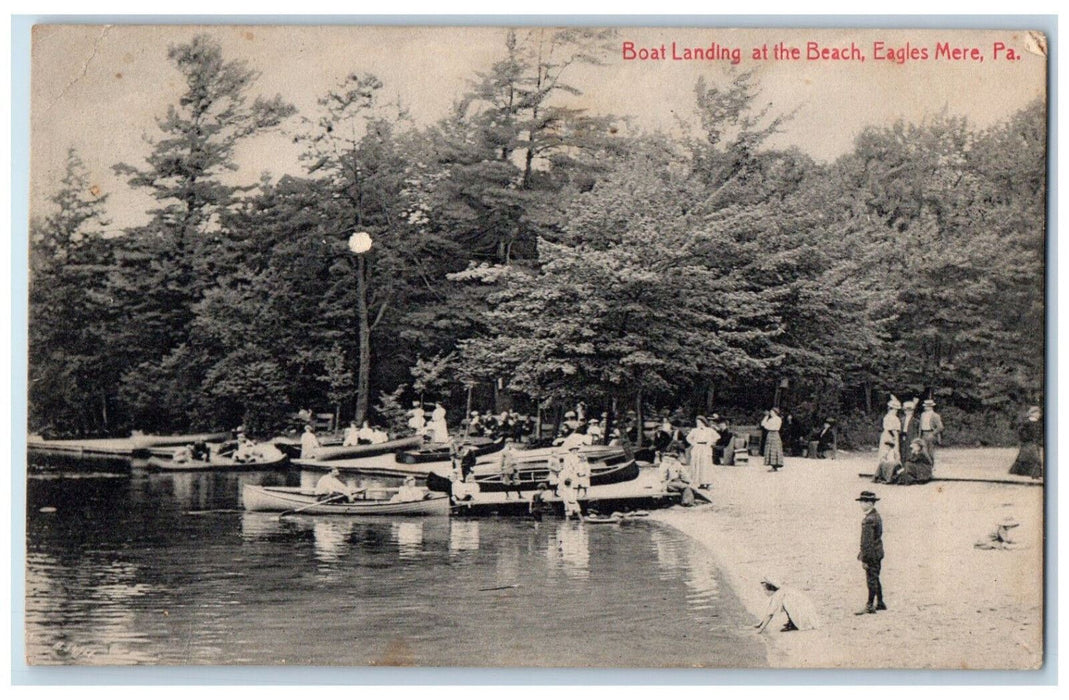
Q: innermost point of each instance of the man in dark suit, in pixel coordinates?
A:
(871, 554)
(911, 427)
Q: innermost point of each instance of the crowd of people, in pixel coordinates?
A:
(906, 452)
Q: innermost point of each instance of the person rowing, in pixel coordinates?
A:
(330, 487)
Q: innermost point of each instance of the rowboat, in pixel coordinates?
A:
(141, 444)
(615, 469)
(326, 454)
(265, 457)
(443, 452)
(287, 498)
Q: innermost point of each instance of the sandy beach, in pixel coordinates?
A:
(951, 605)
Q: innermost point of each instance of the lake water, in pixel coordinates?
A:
(142, 568)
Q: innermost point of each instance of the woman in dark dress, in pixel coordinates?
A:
(1029, 460)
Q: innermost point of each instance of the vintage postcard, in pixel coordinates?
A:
(579, 347)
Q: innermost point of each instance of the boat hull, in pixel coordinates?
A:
(529, 476)
(270, 460)
(326, 454)
(284, 499)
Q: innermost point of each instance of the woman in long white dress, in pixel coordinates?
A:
(438, 427)
(701, 439)
(889, 457)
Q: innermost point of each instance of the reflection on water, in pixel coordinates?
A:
(165, 569)
(409, 536)
(573, 549)
(463, 534)
(331, 537)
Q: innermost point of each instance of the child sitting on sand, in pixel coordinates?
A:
(1000, 538)
(800, 612)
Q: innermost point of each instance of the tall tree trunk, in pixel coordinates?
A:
(868, 398)
(363, 382)
(641, 420)
(710, 398)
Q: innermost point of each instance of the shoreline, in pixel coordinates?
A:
(951, 605)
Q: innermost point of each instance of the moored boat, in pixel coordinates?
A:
(442, 452)
(265, 457)
(286, 499)
(615, 469)
(326, 454)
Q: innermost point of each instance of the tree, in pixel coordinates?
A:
(71, 375)
(165, 266)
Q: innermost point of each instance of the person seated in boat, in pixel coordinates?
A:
(538, 505)
(409, 492)
(465, 489)
(799, 609)
(309, 442)
(352, 435)
(917, 469)
(183, 454)
(330, 487)
(246, 449)
(201, 452)
(510, 475)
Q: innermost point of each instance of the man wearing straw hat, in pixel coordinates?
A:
(931, 428)
(871, 554)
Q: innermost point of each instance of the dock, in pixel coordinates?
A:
(135, 446)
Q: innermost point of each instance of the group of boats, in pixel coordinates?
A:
(617, 477)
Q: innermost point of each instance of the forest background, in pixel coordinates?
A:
(525, 253)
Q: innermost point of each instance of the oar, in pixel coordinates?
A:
(311, 505)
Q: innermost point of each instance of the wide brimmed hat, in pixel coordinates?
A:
(829, 421)
(774, 410)
(867, 496)
(702, 419)
(593, 420)
(894, 403)
(928, 402)
(1008, 522)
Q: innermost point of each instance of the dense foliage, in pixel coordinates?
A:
(526, 252)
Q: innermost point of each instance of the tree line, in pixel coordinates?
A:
(528, 253)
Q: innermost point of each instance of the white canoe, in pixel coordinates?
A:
(286, 498)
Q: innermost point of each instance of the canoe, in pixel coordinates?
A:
(441, 453)
(142, 443)
(287, 498)
(530, 475)
(326, 454)
(269, 458)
